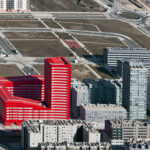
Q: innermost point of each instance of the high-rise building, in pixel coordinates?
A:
(145, 62)
(112, 54)
(33, 97)
(135, 89)
(57, 83)
(109, 92)
(14, 5)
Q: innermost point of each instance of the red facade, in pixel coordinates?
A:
(37, 97)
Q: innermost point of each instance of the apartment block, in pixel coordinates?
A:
(74, 146)
(14, 5)
(109, 92)
(35, 132)
(112, 54)
(135, 144)
(127, 129)
(79, 95)
(101, 112)
(146, 64)
(148, 94)
(135, 89)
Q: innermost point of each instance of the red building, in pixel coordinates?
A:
(37, 97)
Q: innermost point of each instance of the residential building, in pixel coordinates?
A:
(135, 89)
(127, 129)
(135, 144)
(101, 112)
(109, 92)
(74, 146)
(117, 145)
(112, 54)
(37, 97)
(91, 92)
(14, 5)
(148, 94)
(79, 95)
(146, 64)
(35, 132)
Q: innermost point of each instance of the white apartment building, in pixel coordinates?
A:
(35, 132)
(101, 112)
(135, 89)
(14, 5)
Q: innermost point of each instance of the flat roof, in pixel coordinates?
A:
(57, 60)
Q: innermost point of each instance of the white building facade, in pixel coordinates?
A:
(14, 5)
(101, 112)
(135, 89)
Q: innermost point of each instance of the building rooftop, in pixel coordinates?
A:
(129, 123)
(58, 61)
(127, 50)
(34, 125)
(103, 107)
(75, 144)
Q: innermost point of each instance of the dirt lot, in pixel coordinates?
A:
(129, 15)
(51, 23)
(81, 72)
(41, 48)
(9, 70)
(129, 5)
(148, 28)
(117, 26)
(65, 5)
(78, 71)
(146, 2)
(102, 72)
(64, 35)
(21, 23)
(80, 52)
(96, 44)
(79, 26)
(29, 35)
(39, 68)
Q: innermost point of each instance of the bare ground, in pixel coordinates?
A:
(41, 48)
(9, 70)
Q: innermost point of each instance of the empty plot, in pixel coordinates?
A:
(39, 68)
(29, 35)
(80, 52)
(81, 72)
(78, 71)
(51, 23)
(116, 26)
(80, 26)
(65, 5)
(148, 28)
(129, 15)
(9, 70)
(41, 48)
(21, 23)
(101, 71)
(96, 44)
(64, 35)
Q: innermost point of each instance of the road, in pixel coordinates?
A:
(130, 42)
(111, 13)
